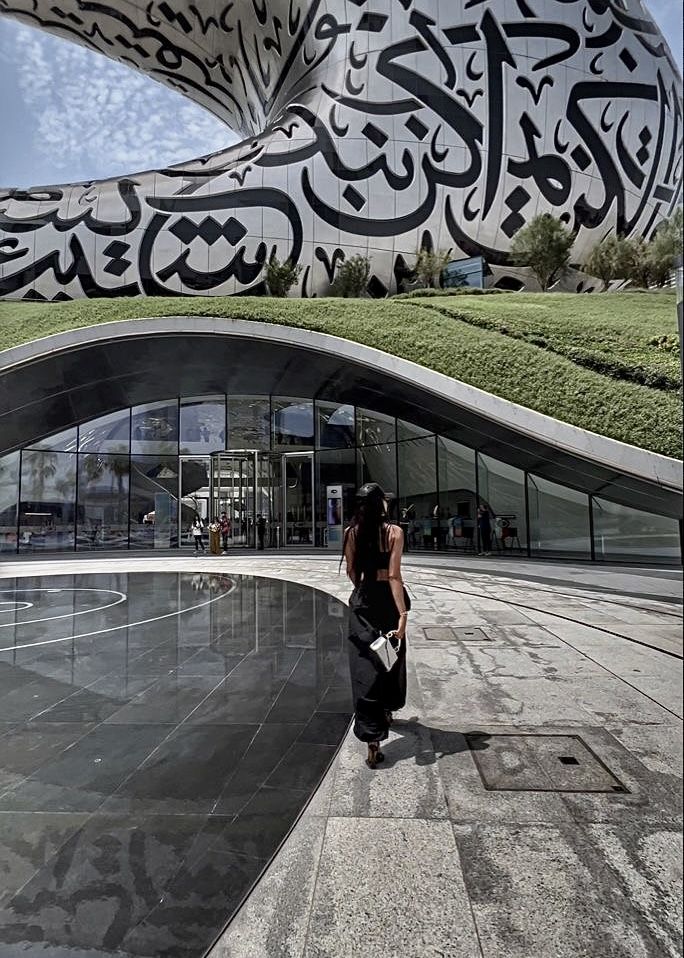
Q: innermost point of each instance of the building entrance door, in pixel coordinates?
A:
(235, 492)
(297, 472)
(268, 497)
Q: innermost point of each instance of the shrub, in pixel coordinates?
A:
(664, 247)
(449, 291)
(429, 265)
(609, 260)
(638, 264)
(544, 245)
(670, 344)
(281, 277)
(352, 277)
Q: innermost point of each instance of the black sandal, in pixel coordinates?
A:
(374, 754)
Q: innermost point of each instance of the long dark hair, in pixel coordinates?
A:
(367, 530)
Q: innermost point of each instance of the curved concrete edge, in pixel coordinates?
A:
(610, 453)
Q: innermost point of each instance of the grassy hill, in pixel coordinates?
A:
(605, 362)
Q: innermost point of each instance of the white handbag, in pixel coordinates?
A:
(384, 649)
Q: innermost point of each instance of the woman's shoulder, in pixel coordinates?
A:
(394, 531)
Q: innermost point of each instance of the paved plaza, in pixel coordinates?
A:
(529, 805)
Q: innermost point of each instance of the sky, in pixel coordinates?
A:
(69, 114)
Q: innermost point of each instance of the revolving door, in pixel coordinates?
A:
(236, 492)
(267, 498)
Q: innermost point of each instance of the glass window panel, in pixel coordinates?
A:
(203, 424)
(154, 428)
(334, 467)
(379, 464)
(624, 533)
(374, 427)
(293, 423)
(102, 501)
(559, 518)
(457, 494)
(195, 495)
(406, 430)
(61, 442)
(249, 422)
(502, 494)
(46, 506)
(154, 502)
(335, 426)
(9, 497)
(419, 512)
(109, 433)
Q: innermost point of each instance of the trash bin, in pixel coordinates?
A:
(215, 539)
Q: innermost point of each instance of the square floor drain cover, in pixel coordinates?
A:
(540, 763)
(472, 633)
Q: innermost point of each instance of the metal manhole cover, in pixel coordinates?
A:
(471, 633)
(531, 762)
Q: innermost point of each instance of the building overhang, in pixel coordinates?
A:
(61, 380)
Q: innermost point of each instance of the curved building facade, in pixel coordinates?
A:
(119, 435)
(370, 130)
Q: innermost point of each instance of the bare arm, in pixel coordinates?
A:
(349, 552)
(395, 580)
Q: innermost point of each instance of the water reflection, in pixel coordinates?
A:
(155, 750)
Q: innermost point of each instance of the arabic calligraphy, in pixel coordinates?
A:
(367, 128)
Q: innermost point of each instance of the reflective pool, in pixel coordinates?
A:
(159, 735)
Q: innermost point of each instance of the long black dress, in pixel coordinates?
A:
(375, 690)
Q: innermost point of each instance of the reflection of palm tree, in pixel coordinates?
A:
(66, 487)
(118, 467)
(43, 466)
(8, 468)
(93, 467)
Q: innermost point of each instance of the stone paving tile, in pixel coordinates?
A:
(553, 890)
(658, 747)
(486, 660)
(466, 699)
(548, 875)
(468, 800)
(405, 785)
(390, 889)
(654, 796)
(610, 700)
(275, 918)
(666, 635)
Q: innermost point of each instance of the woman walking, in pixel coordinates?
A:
(379, 605)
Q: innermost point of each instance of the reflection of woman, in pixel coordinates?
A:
(379, 603)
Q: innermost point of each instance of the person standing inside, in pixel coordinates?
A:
(197, 531)
(224, 523)
(372, 549)
(484, 527)
(261, 531)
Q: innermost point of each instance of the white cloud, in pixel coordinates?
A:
(95, 118)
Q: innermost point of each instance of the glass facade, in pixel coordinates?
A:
(102, 509)
(501, 497)
(9, 499)
(457, 495)
(47, 501)
(203, 425)
(138, 477)
(559, 519)
(621, 533)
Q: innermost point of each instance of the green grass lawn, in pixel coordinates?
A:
(487, 341)
(612, 336)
